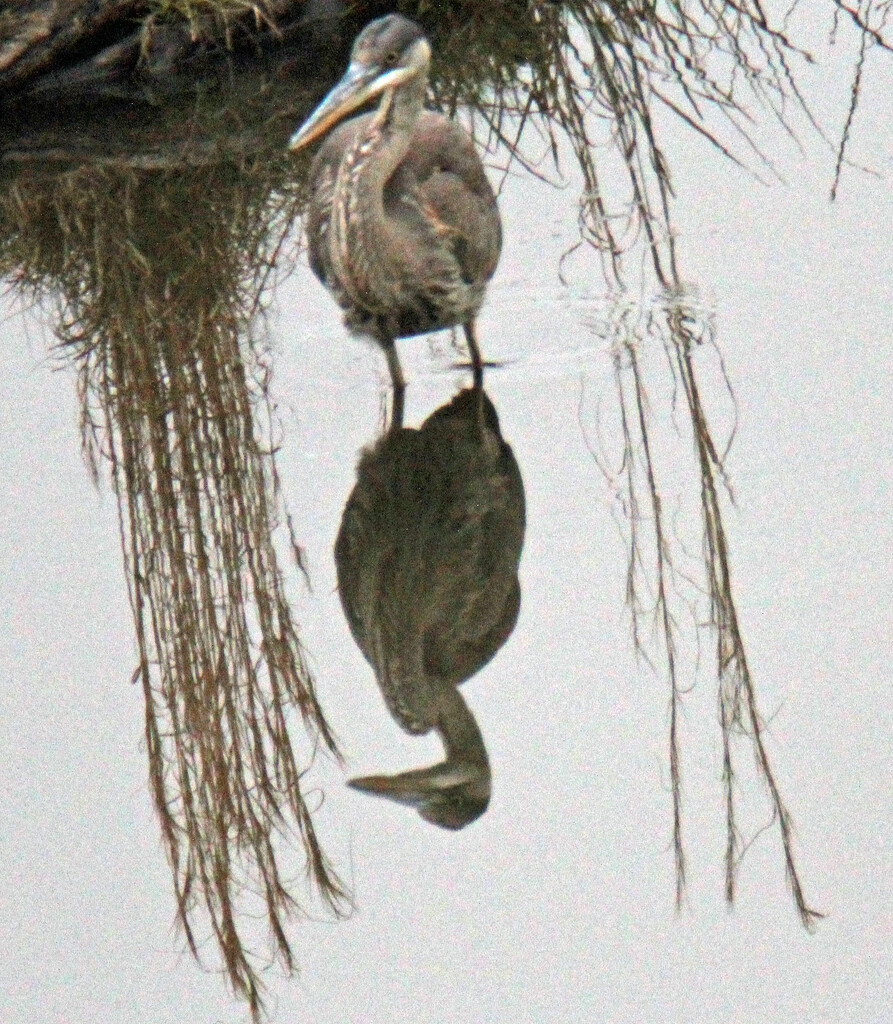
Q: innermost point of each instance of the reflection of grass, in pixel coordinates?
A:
(158, 279)
(597, 72)
(213, 18)
(658, 570)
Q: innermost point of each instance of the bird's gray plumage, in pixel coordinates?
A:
(402, 224)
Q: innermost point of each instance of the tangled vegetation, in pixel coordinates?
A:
(159, 317)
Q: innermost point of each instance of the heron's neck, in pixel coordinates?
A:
(361, 226)
(390, 131)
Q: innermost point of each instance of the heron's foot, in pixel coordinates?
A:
(450, 794)
(486, 364)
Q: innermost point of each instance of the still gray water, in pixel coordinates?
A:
(558, 903)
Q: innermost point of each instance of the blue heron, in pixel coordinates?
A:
(402, 224)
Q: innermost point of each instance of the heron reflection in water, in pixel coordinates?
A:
(427, 558)
(402, 224)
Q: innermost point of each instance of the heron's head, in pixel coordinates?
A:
(450, 795)
(387, 53)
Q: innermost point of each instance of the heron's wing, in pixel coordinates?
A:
(355, 559)
(378, 568)
(382, 625)
(456, 656)
(475, 550)
(454, 193)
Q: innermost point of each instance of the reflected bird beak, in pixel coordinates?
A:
(451, 794)
(360, 83)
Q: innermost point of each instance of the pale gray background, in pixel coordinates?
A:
(557, 905)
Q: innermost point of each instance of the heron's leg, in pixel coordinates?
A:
(396, 370)
(477, 366)
(398, 383)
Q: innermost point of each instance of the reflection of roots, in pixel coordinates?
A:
(171, 382)
(220, 658)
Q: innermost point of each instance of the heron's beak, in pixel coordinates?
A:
(360, 83)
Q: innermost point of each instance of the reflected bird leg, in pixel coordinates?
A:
(397, 397)
(399, 386)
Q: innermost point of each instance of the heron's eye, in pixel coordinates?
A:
(391, 58)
